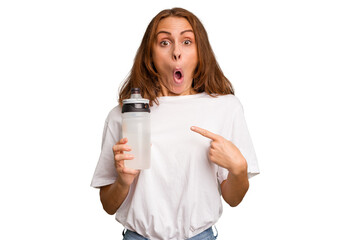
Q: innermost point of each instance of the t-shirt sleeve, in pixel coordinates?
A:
(241, 138)
(105, 172)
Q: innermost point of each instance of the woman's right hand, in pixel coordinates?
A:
(125, 175)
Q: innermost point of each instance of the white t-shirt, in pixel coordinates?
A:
(180, 195)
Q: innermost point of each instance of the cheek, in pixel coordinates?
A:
(157, 57)
(194, 58)
(161, 57)
(158, 62)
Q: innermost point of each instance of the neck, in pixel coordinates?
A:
(165, 92)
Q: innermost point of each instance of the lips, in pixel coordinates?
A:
(178, 75)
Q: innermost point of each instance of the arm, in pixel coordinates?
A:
(113, 195)
(234, 188)
(225, 154)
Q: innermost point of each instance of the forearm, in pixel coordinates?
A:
(112, 196)
(235, 187)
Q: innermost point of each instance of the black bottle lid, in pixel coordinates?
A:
(135, 103)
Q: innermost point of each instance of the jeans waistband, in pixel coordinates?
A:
(208, 234)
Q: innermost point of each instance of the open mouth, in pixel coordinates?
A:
(178, 76)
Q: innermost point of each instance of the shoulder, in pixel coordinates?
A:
(113, 123)
(228, 101)
(114, 115)
(230, 98)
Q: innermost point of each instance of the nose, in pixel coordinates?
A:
(176, 53)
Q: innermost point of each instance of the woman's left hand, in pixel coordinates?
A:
(223, 152)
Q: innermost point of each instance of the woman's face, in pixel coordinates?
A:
(175, 55)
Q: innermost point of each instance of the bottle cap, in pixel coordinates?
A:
(135, 103)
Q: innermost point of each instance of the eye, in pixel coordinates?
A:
(187, 42)
(164, 43)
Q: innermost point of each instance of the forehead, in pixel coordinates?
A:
(171, 24)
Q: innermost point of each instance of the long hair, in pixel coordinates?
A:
(208, 76)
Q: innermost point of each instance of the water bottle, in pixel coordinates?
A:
(136, 128)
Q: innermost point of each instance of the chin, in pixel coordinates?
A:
(180, 89)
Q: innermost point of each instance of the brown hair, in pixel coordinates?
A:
(208, 76)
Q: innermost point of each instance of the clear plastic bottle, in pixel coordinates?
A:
(136, 128)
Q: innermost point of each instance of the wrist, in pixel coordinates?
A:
(238, 169)
(121, 184)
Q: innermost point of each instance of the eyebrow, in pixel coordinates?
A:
(189, 30)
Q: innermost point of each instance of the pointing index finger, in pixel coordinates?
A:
(204, 132)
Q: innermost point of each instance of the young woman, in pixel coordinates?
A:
(201, 148)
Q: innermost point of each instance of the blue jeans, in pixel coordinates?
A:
(208, 234)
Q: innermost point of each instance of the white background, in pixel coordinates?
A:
(295, 68)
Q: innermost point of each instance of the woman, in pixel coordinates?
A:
(201, 148)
